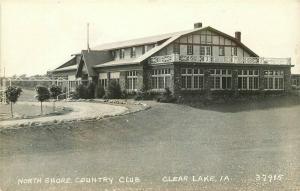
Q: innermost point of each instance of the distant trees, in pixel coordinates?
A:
(12, 94)
(42, 94)
(54, 92)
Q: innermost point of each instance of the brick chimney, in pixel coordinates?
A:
(238, 35)
(197, 25)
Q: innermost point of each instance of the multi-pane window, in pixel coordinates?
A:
(103, 79)
(221, 51)
(132, 52)
(273, 80)
(221, 79)
(131, 80)
(122, 53)
(190, 49)
(192, 78)
(160, 78)
(205, 50)
(248, 80)
(233, 51)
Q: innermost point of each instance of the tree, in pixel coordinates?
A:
(54, 92)
(12, 94)
(42, 94)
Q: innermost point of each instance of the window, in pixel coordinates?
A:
(103, 79)
(122, 53)
(143, 49)
(220, 79)
(221, 51)
(202, 50)
(192, 78)
(190, 49)
(131, 82)
(248, 80)
(160, 78)
(233, 51)
(205, 50)
(273, 80)
(132, 52)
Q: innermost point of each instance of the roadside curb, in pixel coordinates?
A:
(36, 124)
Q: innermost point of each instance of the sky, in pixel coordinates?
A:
(39, 35)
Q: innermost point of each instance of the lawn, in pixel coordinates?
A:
(24, 110)
(168, 140)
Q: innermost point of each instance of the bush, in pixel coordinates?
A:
(143, 94)
(113, 90)
(124, 94)
(91, 90)
(81, 92)
(55, 91)
(167, 97)
(100, 91)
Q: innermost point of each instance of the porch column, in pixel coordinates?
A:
(287, 80)
(207, 82)
(176, 80)
(235, 85)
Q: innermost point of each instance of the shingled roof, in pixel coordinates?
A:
(100, 55)
(139, 41)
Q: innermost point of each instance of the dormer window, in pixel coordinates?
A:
(132, 52)
(122, 53)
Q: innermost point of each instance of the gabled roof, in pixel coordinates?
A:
(100, 55)
(140, 41)
(171, 37)
(91, 58)
(233, 39)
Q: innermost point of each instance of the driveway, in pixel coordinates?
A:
(80, 110)
(167, 147)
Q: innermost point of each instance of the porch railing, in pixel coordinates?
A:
(218, 59)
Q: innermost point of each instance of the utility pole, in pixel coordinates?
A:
(0, 40)
(88, 37)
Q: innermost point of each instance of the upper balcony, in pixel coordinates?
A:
(218, 59)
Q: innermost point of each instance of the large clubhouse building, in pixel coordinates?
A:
(194, 61)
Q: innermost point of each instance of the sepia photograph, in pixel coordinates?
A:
(149, 95)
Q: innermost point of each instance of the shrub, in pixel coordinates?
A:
(167, 97)
(143, 94)
(81, 92)
(113, 90)
(124, 94)
(91, 90)
(100, 91)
